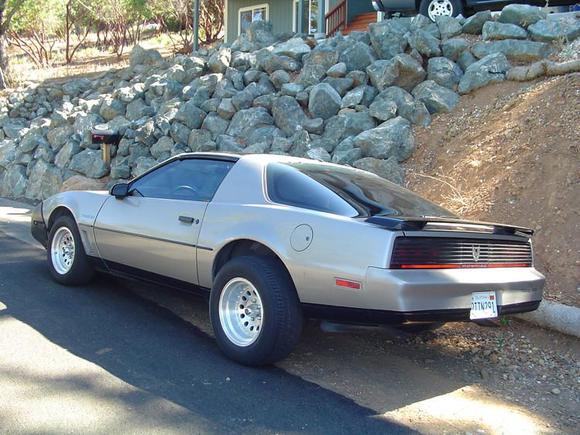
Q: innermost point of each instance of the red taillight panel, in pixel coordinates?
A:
(459, 253)
(348, 283)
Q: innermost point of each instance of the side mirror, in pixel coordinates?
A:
(120, 190)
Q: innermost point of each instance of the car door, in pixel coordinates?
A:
(155, 229)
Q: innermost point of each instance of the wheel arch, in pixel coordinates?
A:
(59, 211)
(246, 247)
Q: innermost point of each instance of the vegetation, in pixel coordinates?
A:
(49, 32)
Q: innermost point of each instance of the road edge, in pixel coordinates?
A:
(550, 315)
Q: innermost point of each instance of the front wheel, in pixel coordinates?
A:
(255, 312)
(440, 8)
(67, 261)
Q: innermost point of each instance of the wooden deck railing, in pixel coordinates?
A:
(336, 18)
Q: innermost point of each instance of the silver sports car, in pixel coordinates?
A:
(274, 239)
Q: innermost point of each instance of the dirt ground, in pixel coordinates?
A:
(510, 153)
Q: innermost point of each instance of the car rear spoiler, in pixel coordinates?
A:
(427, 223)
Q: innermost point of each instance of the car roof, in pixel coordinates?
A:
(256, 158)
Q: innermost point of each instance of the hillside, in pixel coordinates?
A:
(510, 153)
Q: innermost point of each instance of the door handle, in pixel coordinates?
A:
(186, 219)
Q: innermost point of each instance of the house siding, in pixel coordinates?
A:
(280, 15)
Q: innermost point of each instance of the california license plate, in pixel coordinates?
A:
(483, 305)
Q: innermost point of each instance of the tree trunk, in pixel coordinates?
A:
(3, 63)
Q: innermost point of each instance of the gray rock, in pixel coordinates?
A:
(31, 140)
(279, 78)
(14, 182)
(120, 168)
(260, 34)
(271, 62)
(76, 86)
(89, 163)
(7, 153)
(66, 153)
(226, 109)
(493, 30)
(144, 133)
(474, 24)
(353, 97)
(162, 146)
(425, 43)
(210, 105)
(44, 152)
(137, 109)
(291, 89)
(392, 138)
(140, 56)
(295, 48)
(388, 37)
(300, 144)
(452, 48)
(414, 111)
(388, 169)
(383, 109)
(337, 70)
(142, 165)
(44, 181)
(256, 148)
(466, 59)
(265, 101)
(359, 77)
(247, 120)
(314, 126)
(340, 85)
(112, 108)
(521, 14)
(324, 101)
(128, 94)
(402, 70)
(288, 115)
(513, 49)
(436, 98)
(15, 128)
(215, 124)
(347, 124)
(316, 63)
(84, 123)
(200, 140)
(357, 57)
(490, 69)
(177, 73)
(179, 132)
(57, 137)
(190, 115)
(347, 157)
(444, 72)
(228, 144)
(448, 27)
(220, 60)
(555, 29)
(281, 145)
(319, 154)
(136, 151)
(225, 89)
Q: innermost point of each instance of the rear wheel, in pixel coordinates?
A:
(67, 261)
(440, 8)
(255, 312)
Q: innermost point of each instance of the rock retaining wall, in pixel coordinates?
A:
(350, 100)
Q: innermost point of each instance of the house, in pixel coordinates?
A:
(319, 17)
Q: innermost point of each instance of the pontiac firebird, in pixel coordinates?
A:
(274, 239)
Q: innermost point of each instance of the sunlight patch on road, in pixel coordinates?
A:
(14, 214)
(2, 306)
(469, 409)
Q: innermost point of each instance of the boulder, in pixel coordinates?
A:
(324, 101)
(493, 30)
(162, 147)
(78, 182)
(466, 59)
(336, 71)
(220, 60)
(260, 34)
(137, 109)
(226, 109)
(452, 48)
(388, 169)
(402, 70)
(341, 85)
(474, 24)
(142, 165)
(89, 163)
(521, 14)
(392, 138)
(353, 97)
(383, 109)
(316, 63)
(347, 157)
(513, 49)
(490, 69)
(140, 56)
(179, 132)
(244, 121)
(444, 72)
(288, 115)
(425, 43)
(84, 123)
(555, 29)
(190, 115)
(200, 140)
(357, 56)
(14, 182)
(295, 48)
(388, 37)
(448, 27)
(75, 87)
(271, 62)
(31, 140)
(65, 154)
(413, 111)
(7, 153)
(215, 124)
(44, 181)
(279, 78)
(345, 125)
(319, 154)
(436, 98)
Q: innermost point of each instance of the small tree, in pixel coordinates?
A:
(8, 8)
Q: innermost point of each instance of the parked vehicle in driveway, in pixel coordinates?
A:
(453, 8)
(273, 239)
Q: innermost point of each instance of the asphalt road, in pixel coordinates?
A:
(102, 359)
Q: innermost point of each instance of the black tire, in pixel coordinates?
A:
(457, 7)
(81, 271)
(417, 328)
(280, 304)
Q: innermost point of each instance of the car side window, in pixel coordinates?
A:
(188, 179)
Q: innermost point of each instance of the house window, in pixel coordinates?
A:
(248, 15)
(309, 18)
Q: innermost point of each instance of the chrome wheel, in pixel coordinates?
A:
(440, 8)
(62, 250)
(240, 312)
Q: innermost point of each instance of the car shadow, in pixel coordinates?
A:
(163, 356)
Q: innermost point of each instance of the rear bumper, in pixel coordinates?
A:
(38, 226)
(435, 290)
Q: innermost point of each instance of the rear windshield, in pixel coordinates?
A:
(344, 191)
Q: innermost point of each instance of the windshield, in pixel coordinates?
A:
(344, 191)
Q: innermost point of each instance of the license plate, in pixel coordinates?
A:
(483, 305)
